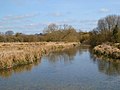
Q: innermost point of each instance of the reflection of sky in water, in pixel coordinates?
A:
(73, 69)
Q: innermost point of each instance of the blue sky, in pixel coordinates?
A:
(31, 16)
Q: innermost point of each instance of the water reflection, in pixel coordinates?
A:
(107, 66)
(18, 69)
(82, 74)
(66, 55)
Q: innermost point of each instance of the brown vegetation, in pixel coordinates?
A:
(6, 73)
(107, 30)
(108, 50)
(52, 33)
(13, 54)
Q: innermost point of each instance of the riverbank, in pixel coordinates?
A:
(13, 54)
(108, 50)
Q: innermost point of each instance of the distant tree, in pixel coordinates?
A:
(2, 38)
(115, 32)
(1, 33)
(9, 32)
(51, 28)
(38, 34)
(106, 26)
(107, 30)
(18, 34)
(63, 32)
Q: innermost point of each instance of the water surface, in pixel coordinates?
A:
(73, 69)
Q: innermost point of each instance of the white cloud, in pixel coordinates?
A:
(74, 21)
(25, 2)
(34, 26)
(104, 10)
(56, 14)
(12, 17)
(26, 26)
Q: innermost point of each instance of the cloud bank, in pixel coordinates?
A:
(104, 10)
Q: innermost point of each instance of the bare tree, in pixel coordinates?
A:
(108, 30)
(50, 28)
(10, 32)
(106, 26)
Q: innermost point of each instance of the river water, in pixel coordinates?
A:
(72, 69)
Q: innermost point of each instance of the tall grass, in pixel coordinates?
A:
(108, 50)
(13, 54)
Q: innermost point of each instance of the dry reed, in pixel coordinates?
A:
(108, 51)
(13, 54)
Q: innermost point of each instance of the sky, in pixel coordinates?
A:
(31, 16)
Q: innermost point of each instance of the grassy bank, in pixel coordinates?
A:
(108, 50)
(13, 54)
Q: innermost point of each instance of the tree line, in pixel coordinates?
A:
(51, 33)
(107, 30)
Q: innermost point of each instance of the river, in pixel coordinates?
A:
(72, 69)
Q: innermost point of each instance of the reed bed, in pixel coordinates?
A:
(13, 54)
(108, 50)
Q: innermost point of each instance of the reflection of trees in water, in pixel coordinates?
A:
(107, 66)
(66, 55)
(83, 49)
(18, 69)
